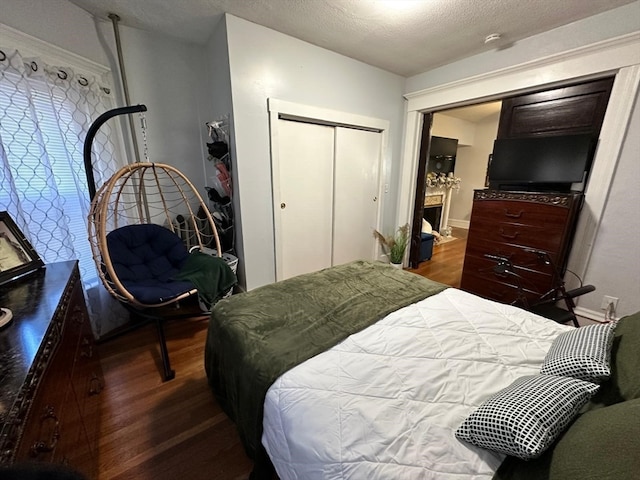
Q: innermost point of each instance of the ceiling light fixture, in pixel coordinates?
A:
(492, 37)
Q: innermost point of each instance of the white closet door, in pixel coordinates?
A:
(356, 184)
(303, 196)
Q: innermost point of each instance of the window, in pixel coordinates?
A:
(45, 113)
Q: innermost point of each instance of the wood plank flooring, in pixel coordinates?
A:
(175, 430)
(164, 430)
(446, 262)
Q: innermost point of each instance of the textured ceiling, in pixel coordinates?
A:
(401, 36)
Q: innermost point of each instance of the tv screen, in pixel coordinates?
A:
(442, 155)
(540, 160)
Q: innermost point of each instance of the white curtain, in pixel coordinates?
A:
(45, 112)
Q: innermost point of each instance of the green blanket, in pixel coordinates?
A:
(604, 441)
(255, 337)
(211, 275)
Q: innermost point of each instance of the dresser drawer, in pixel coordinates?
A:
(545, 216)
(530, 280)
(531, 236)
(44, 430)
(518, 255)
(486, 287)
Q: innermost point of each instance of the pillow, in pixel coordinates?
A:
(582, 353)
(525, 418)
(426, 227)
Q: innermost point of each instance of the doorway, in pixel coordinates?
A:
(475, 127)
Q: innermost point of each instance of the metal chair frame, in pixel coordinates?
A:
(546, 304)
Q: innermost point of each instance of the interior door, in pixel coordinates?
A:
(303, 198)
(356, 193)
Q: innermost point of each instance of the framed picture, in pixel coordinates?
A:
(17, 256)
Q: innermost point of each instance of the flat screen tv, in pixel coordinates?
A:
(541, 162)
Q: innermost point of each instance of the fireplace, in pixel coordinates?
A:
(432, 211)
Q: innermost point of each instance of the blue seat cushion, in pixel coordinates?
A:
(146, 259)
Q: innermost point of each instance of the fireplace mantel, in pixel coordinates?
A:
(439, 197)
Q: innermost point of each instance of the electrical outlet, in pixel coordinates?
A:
(607, 300)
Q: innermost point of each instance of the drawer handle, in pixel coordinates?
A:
(41, 446)
(512, 215)
(88, 353)
(95, 385)
(506, 235)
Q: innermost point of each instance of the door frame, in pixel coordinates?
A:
(282, 109)
(616, 56)
(421, 190)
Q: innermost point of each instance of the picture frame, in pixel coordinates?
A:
(17, 255)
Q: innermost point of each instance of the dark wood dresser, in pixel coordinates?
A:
(50, 373)
(512, 224)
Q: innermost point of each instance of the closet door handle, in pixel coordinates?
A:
(283, 205)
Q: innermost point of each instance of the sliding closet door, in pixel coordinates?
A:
(303, 194)
(356, 184)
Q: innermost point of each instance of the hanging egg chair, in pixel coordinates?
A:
(142, 223)
(154, 241)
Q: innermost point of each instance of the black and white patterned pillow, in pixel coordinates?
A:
(525, 418)
(583, 353)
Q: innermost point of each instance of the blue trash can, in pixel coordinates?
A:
(426, 246)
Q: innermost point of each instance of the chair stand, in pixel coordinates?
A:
(169, 374)
(144, 318)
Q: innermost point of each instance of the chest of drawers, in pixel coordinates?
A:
(515, 225)
(52, 377)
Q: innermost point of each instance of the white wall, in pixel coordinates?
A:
(451, 127)
(58, 22)
(266, 64)
(471, 166)
(614, 267)
(169, 77)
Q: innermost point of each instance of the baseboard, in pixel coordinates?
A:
(459, 223)
(596, 316)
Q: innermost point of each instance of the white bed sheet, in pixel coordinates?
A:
(385, 403)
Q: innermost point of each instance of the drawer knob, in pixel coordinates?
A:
(95, 385)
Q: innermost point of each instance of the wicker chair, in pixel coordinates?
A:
(142, 224)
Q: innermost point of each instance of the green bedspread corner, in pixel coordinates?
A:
(256, 336)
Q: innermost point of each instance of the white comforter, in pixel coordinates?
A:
(385, 403)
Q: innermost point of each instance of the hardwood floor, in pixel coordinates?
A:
(150, 429)
(446, 262)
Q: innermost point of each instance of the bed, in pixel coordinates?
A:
(365, 371)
